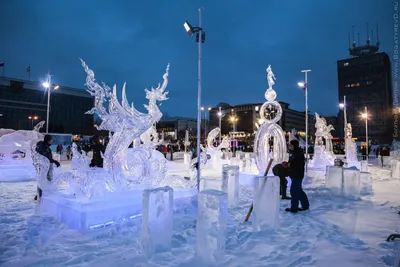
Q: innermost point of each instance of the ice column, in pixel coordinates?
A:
(157, 211)
(210, 183)
(211, 225)
(230, 183)
(334, 179)
(246, 163)
(395, 169)
(366, 182)
(351, 182)
(266, 202)
(364, 166)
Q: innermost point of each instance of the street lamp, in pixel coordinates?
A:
(32, 118)
(365, 116)
(342, 106)
(200, 38)
(47, 85)
(304, 86)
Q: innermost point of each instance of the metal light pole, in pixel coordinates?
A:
(365, 116)
(48, 102)
(220, 118)
(306, 96)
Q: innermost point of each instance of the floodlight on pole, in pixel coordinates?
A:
(200, 38)
(47, 85)
(365, 116)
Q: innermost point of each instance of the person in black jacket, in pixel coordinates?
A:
(282, 171)
(43, 148)
(296, 173)
(98, 149)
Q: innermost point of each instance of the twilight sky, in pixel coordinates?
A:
(132, 41)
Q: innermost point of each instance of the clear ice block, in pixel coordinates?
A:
(395, 169)
(210, 183)
(157, 211)
(366, 182)
(266, 202)
(334, 179)
(230, 183)
(351, 182)
(211, 225)
(364, 166)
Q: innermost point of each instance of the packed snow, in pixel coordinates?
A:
(336, 231)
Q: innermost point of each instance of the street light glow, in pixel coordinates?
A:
(56, 87)
(364, 116)
(209, 109)
(202, 108)
(219, 113)
(341, 105)
(46, 85)
(301, 84)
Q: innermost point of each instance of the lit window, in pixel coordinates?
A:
(257, 108)
(346, 64)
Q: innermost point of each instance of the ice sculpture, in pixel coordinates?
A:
(270, 131)
(215, 151)
(6, 131)
(150, 137)
(350, 145)
(212, 217)
(156, 233)
(126, 123)
(21, 140)
(266, 202)
(323, 156)
(395, 169)
(230, 183)
(210, 183)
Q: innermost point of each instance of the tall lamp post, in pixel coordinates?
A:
(365, 116)
(200, 38)
(47, 84)
(342, 106)
(220, 118)
(304, 86)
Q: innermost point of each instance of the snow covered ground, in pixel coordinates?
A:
(335, 232)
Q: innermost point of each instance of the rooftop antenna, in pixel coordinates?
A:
(367, 33)
(349, 41)
(358, 38)
(352, 30)
(377, 35)
(372, 36)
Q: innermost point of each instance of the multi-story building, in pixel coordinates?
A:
(365, 80)
(246, 117)
(24, 103)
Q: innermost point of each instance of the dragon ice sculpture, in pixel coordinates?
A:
(211, 140)
(126, 123)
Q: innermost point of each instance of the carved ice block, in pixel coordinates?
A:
(364, 166)
(230, 183)
(210, 183)
(395, 169)
(235, 161)
(157, 211)
(334, 179)
(386, 161)
(212, 216)
(266, 202)
(351, 182)
(366, 182)
(186, 158)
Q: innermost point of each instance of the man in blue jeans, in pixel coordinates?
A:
(296, 173)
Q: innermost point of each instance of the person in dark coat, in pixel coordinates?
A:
(98, 149)
(43, 148)
(296, 173)
(282, 171)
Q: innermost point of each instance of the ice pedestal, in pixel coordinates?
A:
(321, 158)
(266, 202)
(95, 214)
(395, 169)
(211, 225)
(366, 182)
(364, 166)
(235, 161)
(187, 158)
(216, 156)
(356, 164)
(317, 174)
(157, 211)
(351, 182)
(230, 183)
(210, 183)
(334, 179)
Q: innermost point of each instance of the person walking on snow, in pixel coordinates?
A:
(296, 173)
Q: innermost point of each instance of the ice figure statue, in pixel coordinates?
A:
(79, 162)
(270, 140)
(186, 142)
(351, 147)
(323, 156)
(126, 123)
(215, 152)
(21, 140)
(150, 137)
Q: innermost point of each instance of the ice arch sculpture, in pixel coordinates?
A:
(270, 140)
(211, 139)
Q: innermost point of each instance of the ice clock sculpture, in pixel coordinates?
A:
(270, 140)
